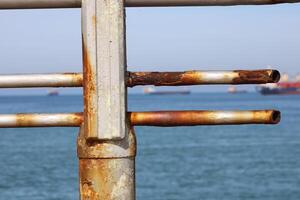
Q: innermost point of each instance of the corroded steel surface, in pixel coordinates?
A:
(33, 4)
(41, 120)
(107, 179)
(202, 77)
(41, 80)
(107, 168)
(91, 148)
(256, 76)
(194, 118)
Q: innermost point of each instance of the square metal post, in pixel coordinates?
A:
(106, 143)
(104, 60)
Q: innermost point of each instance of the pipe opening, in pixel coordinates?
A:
(276, 116)
(275, 76)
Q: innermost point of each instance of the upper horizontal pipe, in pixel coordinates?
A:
(41, 80)
(158, 118)
(35, 4)
(146, 78)
(168, 3)
(202, 77)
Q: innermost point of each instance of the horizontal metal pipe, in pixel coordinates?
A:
(167, 3)
(146, 78)
(41, 80)
(157, 118)
(202, 77)
(195, 118)
(40, 120)
(34, 4)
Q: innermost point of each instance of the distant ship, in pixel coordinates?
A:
(233, 90)
(152, 91)
(53, 93)
(283, 87)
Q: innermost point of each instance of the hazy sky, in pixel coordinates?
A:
(161, 39)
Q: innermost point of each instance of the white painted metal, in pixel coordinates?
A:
(104, 69)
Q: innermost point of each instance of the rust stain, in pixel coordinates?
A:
(89, 89)
(257, 76)
(95, 148)
(94, 20)
(161, 78)
(23, 119)
(88, 179)
(76, 78)
(100, 177)
(77, 118)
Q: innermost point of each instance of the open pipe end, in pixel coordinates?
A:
(275, 117)
(275, 76)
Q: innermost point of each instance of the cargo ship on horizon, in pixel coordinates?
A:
(153, 91)
(284, 87)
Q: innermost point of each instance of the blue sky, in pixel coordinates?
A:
(161, 39)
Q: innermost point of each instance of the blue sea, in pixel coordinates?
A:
(260, 162)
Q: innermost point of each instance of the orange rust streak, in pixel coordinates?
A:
(89, 88)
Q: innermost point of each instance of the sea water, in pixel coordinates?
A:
(209, 162)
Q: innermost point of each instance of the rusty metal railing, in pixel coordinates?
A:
(106, 142)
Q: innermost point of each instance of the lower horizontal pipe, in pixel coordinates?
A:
(41, 120)
(158, 118)
(195, 118)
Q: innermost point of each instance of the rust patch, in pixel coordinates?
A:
(77, 118)
(23, 119)
(77, 78)
(104, 178)
(89, 90)
(87, 192)
(162, 78)
(94, 20)
(88, 179)
(95, 148)
(256, 76)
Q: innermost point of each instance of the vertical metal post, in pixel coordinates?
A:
(104, 60)
(107, 169)
(106, 143)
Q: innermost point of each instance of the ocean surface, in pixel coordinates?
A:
(260, 162)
